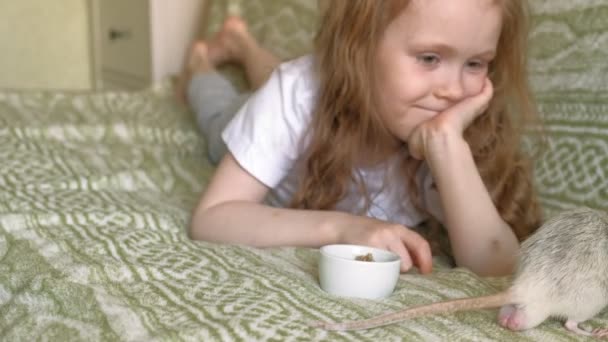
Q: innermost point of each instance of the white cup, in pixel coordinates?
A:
(342, 275)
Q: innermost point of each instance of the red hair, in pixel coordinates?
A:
(345, 121)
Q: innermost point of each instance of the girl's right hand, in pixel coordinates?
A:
(413, 249)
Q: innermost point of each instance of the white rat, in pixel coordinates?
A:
(562, 272)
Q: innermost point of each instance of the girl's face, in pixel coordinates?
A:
(433, 55)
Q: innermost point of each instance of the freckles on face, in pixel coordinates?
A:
(431, 56)
(400, 85)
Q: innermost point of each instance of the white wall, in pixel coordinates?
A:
(45, 44)
(178, 23)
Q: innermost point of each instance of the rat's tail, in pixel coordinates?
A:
(486, 302)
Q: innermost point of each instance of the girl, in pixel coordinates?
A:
(407, 111)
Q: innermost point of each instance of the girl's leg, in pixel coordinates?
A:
(234, 43)
(212, 98)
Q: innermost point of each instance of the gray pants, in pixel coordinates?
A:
(215, 102)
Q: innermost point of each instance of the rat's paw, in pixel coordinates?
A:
(514, 317)
(518, 317)
(504, 314)
(510, 317)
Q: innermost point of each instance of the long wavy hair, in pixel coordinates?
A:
(345, 121)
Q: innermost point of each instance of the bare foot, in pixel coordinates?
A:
(198, 61)
(232, 43)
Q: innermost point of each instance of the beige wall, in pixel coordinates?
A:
(44, 44)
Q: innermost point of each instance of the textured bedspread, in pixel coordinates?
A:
(96, 191)
(95, 197)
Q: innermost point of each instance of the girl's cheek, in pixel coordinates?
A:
(475, 84)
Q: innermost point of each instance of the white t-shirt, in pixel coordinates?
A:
(267, 138)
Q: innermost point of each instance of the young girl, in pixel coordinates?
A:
(407, 111)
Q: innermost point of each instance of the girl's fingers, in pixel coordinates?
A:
(472, 107)
(415, 146)
(457, 117)
(406, 260)
(419, 250)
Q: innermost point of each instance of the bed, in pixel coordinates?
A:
(97, 190)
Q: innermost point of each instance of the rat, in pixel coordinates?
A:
(562, 272)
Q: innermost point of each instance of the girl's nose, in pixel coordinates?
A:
(451, 88)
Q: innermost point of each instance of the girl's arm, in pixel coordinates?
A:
(481, 240)
(230, 211)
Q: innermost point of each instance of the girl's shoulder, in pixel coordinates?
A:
(298, 75)
(266, 135)
(298, 67)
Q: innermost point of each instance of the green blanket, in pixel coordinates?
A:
(569, 64)
(96, 191)
(96, 197)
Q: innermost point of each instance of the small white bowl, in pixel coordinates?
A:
(340, 274)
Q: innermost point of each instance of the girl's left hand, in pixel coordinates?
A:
(451, 122)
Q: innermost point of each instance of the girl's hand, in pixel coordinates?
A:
(451, 122)
(409, 245)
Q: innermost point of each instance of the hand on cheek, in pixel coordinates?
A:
(449, 123)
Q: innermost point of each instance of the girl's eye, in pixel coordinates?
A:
(477, 65)
(428, 59)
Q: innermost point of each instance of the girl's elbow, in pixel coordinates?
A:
(192, 232)
(195, 230)
(495, 269)
(496, 262)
